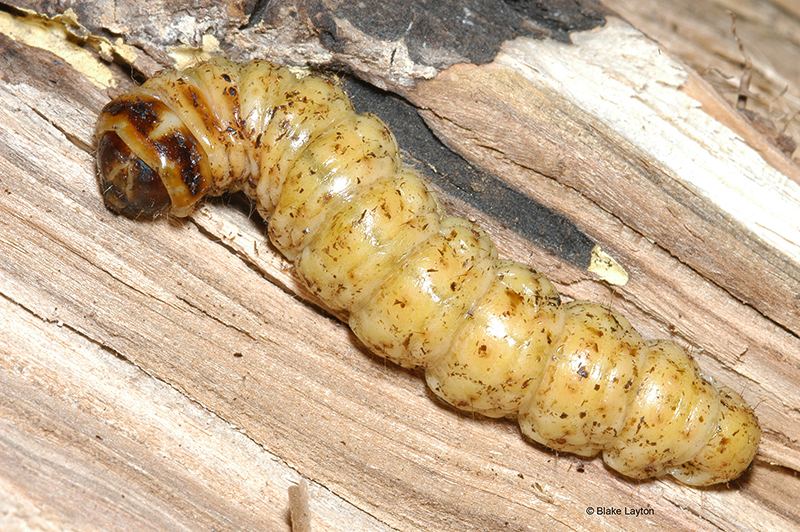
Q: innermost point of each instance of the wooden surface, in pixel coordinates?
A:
(174, 376)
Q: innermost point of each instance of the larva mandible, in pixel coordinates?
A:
(369, 237)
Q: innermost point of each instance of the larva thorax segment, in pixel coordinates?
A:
(206, 100)
(306, 109)
(335, 166)
(370, 238)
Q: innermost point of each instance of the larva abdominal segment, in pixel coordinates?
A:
(370, 238)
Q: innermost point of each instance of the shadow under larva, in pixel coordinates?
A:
(420, 288)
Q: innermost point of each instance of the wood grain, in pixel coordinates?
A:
(174, 376)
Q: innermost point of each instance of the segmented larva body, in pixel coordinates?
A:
(369, 237)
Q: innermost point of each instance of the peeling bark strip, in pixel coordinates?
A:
(440, 34)
(370, 239)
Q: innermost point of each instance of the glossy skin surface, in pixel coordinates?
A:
(424, 290)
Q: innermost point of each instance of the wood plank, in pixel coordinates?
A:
(92, 442)
(171, 342)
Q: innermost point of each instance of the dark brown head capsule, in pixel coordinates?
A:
(148, 162)
(129, 186)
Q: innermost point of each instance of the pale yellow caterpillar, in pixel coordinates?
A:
(369, 237)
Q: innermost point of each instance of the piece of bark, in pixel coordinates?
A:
(196, 312)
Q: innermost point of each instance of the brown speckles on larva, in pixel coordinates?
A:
(426, 291)
(142, 114)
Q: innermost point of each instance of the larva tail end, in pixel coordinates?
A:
(731, 450)
(129, 186)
